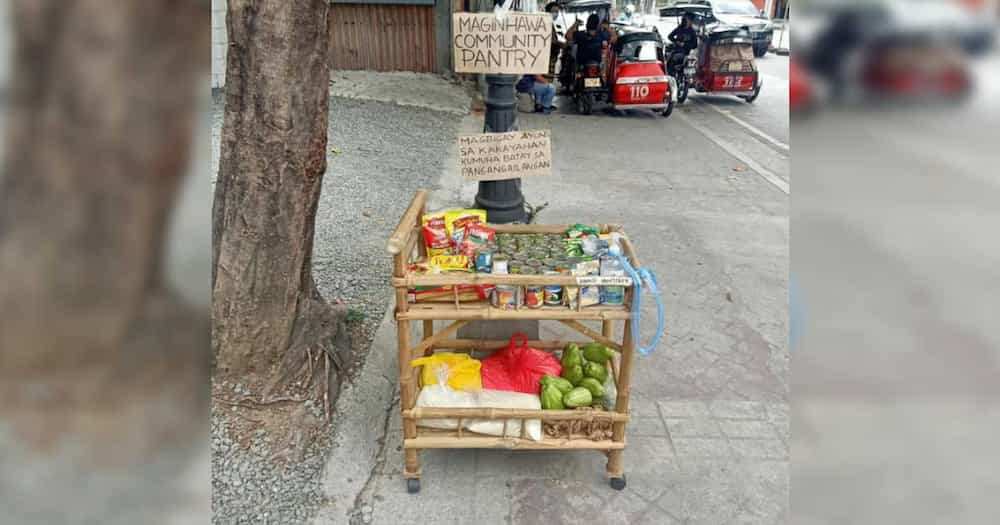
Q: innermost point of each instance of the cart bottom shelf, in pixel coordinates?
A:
(446, 439)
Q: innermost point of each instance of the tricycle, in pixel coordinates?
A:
(723, 61)
(571, 12)
(633, 79)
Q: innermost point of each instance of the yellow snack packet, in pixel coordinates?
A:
(450, 263)
(456, 221)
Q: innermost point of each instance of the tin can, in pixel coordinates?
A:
(534, 296)
(500, 264)
(553, 293)
(484, 261)
(515, 268)
(506, 297)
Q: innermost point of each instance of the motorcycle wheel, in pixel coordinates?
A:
(585, 103)
(682, 90)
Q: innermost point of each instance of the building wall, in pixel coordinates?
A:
(434, 31)
(384, 37)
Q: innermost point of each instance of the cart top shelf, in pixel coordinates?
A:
(407, 233)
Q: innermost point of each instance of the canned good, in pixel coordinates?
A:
(552, 293)
(506, 297)
(534, 296)
(484, 261)
(515, 268)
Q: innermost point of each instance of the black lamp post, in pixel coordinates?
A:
(502, 199)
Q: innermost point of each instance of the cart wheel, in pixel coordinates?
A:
(413, 486)
(618, 483)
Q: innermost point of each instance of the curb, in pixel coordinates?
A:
(360, 404)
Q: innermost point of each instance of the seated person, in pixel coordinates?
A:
(541, 89)
(684, 39)
(591, 42)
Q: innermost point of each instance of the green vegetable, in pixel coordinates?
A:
(594, 386)
(560, 383)
(571, 356)
(597, 353)
(595, 370)
(578, 397)
(552, 398)
(573, 374)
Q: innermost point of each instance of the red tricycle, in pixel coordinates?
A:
(631, 78)
(722, 63)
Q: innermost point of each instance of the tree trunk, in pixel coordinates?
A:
(266, 307)
(98, 132)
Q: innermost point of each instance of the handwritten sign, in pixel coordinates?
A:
(517, 45)
(603, 280)
(498, 156)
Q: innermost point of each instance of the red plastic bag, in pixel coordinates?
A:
(518, 367)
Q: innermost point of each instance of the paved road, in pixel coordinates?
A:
(769, 113)
(709, 440)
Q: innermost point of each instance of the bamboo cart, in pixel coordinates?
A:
(403, 245)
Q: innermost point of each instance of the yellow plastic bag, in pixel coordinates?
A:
(463, 372)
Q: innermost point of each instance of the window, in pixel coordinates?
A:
(735, 7)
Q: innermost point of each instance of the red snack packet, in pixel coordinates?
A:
(436, 235)
(477, 236)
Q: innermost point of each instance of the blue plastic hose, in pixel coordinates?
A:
(641, 277)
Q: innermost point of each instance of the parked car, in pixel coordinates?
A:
(737, 13)
(975, 34)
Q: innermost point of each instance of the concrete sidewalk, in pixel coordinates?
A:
(708, 442)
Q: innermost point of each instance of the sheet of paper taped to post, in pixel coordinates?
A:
(500, 156)
(516, 44)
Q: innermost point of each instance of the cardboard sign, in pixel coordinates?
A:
(603, 280)
(499, 156)
(518, 45)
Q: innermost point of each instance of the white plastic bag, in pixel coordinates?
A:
(440, 396)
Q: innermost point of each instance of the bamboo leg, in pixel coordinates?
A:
(407, 398)
(407, 377)
(428, 332)
(616, 468)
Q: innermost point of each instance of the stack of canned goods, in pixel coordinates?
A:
(530, 254)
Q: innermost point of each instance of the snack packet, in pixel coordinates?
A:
(580, 230)
(436, 238)
(456, 220)
(477, 236)
(449, 263)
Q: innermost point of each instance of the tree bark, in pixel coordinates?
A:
(99, 124)
(266, 307)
